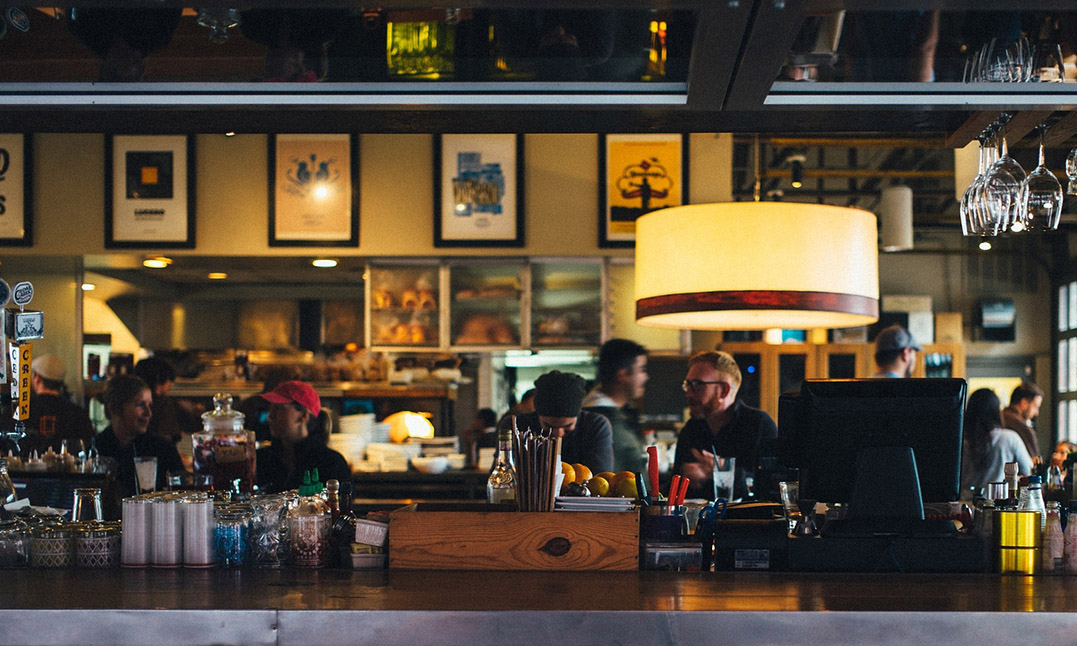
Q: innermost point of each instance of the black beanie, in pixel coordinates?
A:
(559, 394)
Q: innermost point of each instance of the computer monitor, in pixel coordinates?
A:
(834, 429)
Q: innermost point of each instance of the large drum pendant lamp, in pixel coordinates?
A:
(757, 265)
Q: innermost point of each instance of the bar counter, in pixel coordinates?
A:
(280, 607)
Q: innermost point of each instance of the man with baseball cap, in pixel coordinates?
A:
(895, 352)
(53, 417)
(587, 437)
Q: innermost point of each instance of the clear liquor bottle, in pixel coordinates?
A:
(7, 488)
(501, 485)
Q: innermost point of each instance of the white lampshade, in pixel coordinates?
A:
(895, 212)
(757, 265)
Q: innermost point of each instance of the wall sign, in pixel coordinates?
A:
(16, 190)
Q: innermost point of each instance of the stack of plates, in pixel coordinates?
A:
(577, 503)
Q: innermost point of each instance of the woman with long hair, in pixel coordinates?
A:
(988, 446)
(300, 430)
(128, 403)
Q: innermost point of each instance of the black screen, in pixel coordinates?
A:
(825, 426)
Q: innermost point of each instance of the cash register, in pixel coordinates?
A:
(878, 450)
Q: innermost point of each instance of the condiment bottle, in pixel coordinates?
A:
(1010, 469)
(1071, 541)
(501, 485)
(1032, 499)
(1054, 542)
(308, 525)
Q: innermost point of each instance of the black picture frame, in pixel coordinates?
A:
(509, 231)
(613, 240)
(285, 228)
(163, 216)
(13, 205)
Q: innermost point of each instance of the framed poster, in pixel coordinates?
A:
(149, 191)
(314, 190)
(16, 191)
(478, 191)
(639, 174)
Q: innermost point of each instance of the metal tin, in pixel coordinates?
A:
(51, 547)
(97, 545)
(1017, 528)
(1019, 560)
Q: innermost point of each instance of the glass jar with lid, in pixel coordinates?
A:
(14, 543)
(225, 450)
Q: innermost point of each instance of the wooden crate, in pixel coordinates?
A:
(493, 540)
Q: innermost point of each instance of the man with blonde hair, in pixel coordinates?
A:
(720, 422)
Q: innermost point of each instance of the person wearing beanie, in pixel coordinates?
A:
(300, 429)
(53, 417)
(587, 438)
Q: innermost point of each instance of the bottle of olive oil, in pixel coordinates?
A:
(501, 485)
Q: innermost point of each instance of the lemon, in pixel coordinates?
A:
(619, 476)
(582, 472)
(598, 486)
(608, 475)
(626, 488)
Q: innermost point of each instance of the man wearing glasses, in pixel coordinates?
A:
(720, 422)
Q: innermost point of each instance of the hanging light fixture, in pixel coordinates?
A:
(796, 170)
(757, 265)
(895, 215)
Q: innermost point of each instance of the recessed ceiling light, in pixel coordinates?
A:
(88, 287)
(157, 262)
(230, 133)
(985, 246)
(216, 275)
(324, 262)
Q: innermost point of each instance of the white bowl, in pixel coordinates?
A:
(433, 464)
(457, 460)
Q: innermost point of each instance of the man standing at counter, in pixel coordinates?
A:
(1024, 406)
(586, 437)
(53, 417)
(622, 375)
(895, 352)
(720, 422)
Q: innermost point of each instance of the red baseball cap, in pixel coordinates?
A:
(295, 391)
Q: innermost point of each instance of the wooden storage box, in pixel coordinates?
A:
(500, 540)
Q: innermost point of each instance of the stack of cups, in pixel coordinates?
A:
(135, 540)
(166, 522)
(198, 526)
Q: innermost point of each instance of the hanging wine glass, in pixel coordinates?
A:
(1002, 191)
(970, 221)
(1009, 165)
(1042, 197)
(1071, 172)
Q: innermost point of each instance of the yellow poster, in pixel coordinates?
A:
(644, 173)
(313, 189)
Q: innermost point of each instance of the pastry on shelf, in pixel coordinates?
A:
(498, 292)
(410, 299)
(484, 329)
(383, 299)
(465, 294)
(427, 300)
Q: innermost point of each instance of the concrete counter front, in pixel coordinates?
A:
(255, 607)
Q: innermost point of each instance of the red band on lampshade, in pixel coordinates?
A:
(757, 300)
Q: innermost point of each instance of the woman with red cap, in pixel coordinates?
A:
(300, 430)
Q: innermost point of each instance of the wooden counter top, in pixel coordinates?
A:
(485, 608)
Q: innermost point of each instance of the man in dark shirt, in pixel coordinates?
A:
(719, 423)
(1024, 406)
(586, 437)
(53, 417)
